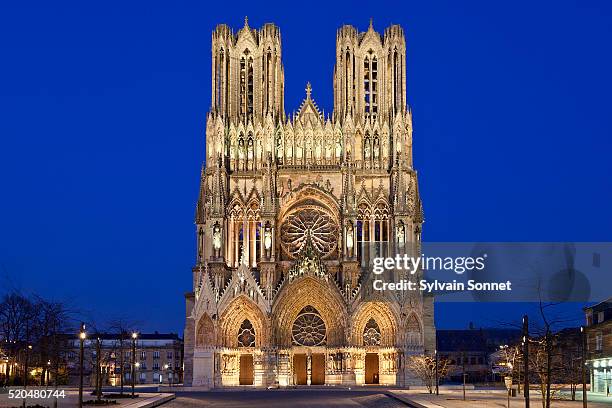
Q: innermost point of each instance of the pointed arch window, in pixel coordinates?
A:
(349, 91)
(267, 85)
(371, 333)
(363, 235)
(219, 79)
(370, 82)
(382, 231)
(242, 85)
(249, 108)
(396, 82)
(246, 334)
(366, 83)
(246, 84)
(374, 85)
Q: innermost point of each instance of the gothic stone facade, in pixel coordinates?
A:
(291, 211)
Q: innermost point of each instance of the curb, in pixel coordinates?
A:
(404, 400)
(159, 401)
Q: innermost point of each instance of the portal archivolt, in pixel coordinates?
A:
(311, 304)
(242, 321)
(372, 317)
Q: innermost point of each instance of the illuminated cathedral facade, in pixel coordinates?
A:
(291, 211)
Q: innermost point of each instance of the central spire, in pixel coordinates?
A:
(308, 90)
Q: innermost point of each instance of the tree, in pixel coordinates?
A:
(546, 357)
(122, 328)
(53, 321)
(424, 367)
(510, 360)
(17, 315)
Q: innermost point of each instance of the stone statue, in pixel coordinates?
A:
(376, 149)
(217, 240)
(241, 149)
(401, 234)
(268, 240)
(349, 240)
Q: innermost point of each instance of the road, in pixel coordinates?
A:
(284, 399)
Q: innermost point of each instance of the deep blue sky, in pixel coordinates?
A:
(102, 121)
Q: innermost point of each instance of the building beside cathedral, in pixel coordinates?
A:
(292, 210)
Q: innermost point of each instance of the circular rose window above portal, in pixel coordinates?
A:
(308, 329)
(309, 221)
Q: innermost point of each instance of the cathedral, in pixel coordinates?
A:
(292, 210)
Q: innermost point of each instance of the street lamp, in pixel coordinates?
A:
(166, 368)
(134, 337)
(137, 367)
(82, 337)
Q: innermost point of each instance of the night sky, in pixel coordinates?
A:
(102, 117)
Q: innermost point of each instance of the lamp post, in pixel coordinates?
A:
(82, 337)
(134, 337)
(137, 367)
(584, 346)
(166, 368)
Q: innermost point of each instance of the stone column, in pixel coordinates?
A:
(246, 241)
(308, 369)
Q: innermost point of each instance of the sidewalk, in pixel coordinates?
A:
(144, 400)
(493, 398)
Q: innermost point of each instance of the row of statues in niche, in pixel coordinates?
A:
(245, 154)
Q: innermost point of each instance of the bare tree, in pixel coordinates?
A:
(53, 321)
(122, 328)
(424, 367)
(17, 329)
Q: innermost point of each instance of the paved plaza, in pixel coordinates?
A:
(372, 397)
(145, 399)
(297, 398)
(489, 399)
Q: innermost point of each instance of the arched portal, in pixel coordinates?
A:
(313, 303)
(242, 320)
(375, 324)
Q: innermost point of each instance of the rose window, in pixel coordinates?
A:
(246, 335)
(371, 333)
(309, 329)
(310, 222)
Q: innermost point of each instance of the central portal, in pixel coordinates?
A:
(318, 369)
(300, 369)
